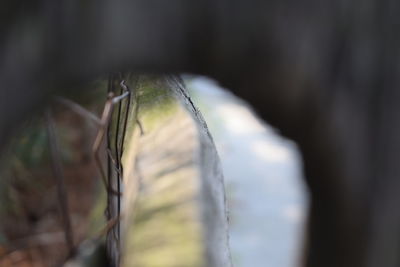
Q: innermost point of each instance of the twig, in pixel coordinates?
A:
(60, 180)
(110, 224)
(78, 109)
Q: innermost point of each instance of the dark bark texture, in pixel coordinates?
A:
(324, 72)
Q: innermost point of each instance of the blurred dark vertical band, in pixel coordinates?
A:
(326, 73)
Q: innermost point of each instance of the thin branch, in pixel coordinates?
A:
(60, 180)
(78, 109)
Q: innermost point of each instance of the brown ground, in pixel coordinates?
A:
(31, 228)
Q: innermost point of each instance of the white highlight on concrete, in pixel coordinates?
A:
(266, 196)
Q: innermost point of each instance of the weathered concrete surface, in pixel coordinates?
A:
(174, 202)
